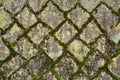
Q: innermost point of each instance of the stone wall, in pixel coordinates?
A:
(59, 39)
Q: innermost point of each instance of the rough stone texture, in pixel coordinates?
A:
(114, 66)
(25, 48)
(103, 76)
(88, 33)
(37, 33)
(52, 48)
(78, 16)
(66, 4)
(13, 33)
(78, 49)
(106, 19)
(5, 18)
(13, 5)
(26, 18)
(39, 65)
(65, 67)
(93, 63)
(51, 15)
(66, 32)
(8, 68)
(37, 4)
(59, 39)
(4, 51)
(21, 75)
(49, 76)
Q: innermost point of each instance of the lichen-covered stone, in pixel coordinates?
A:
(66, 32)
(100, 44)
(104, 76)
(9, 67)
(25, 48)
(38, 33)
(114, 4)
(49, 76)
(21, 75)
(78, 16)
(93, 63)
(89, 4)
(115, 65)
(26, 18)
(52, 48)
(66, 67)
(64, 54)
(13, 5)
(115, 34)
(78, 49)
(65, 4)
(90, 32)
(4, 51)
(13, 33)
(5, 19)
(39, 65)
(51, 15)
(105, 18)
(37, 4)
(80, 77)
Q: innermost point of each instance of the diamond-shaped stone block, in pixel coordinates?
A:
(52, 48)
(66, 32)
(13, 33)
(92, 64)
(51, 15)
(5, 19)
(78, 49)
(38, 65)
(90, 32)
(37, 33)
(106, 18)
(66, 67)
(25, 48)
(78, 16)
(26, 18)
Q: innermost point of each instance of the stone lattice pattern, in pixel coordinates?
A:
(59, 40)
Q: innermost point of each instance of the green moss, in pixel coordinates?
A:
(37, 78)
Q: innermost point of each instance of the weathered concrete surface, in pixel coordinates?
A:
(59, 40)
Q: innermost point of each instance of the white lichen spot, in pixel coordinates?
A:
(115, 38)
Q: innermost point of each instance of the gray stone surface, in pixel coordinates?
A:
(59, 40)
